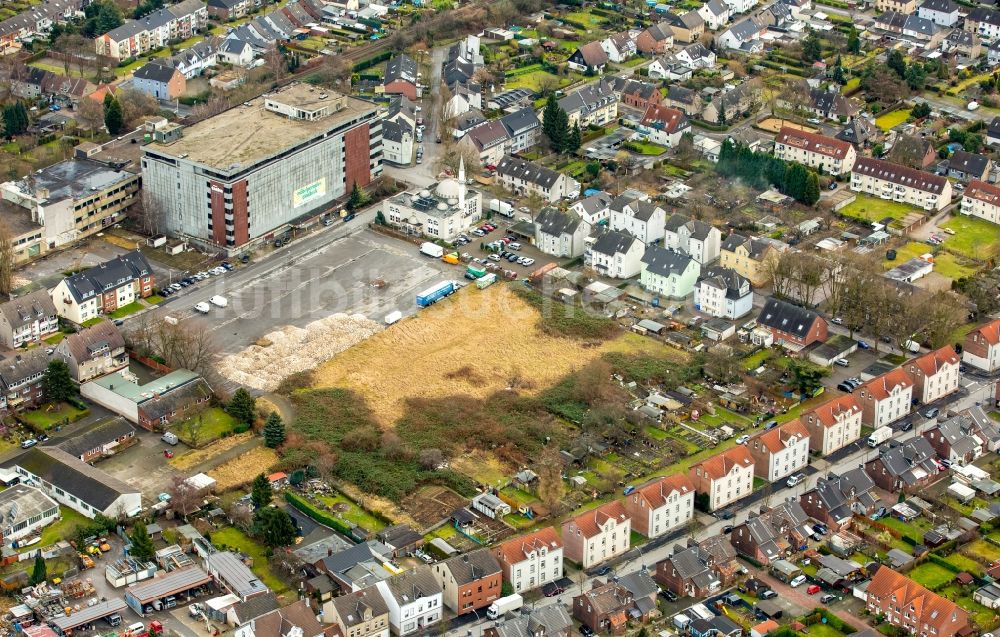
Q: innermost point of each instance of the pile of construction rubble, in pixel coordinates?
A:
(295, 349)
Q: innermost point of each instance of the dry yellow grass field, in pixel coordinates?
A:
(243, 469)
(195, 457)
(475, 343)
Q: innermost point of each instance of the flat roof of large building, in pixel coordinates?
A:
(89, 615)
(136, 393)
(250, 133)
(72, 179)
(169, 584)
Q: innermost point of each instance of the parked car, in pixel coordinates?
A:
(767, 593)
(795, 479)
(726, 530)
(29, 443)
(843, 362)
(829, 597)
(586, 631)
(820, 529)
(864, 345)
(797, 581)
(813, 589)
(906, 426)
(932, 412)
(742, 440)
(668, 595)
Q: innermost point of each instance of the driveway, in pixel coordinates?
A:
(800, 602)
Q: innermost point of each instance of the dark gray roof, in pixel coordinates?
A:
(352, 608)
(470, 567)
(680, 94)
(108, 276)
(235, 574)
(401, 67)
(858, 131)
(745, 29)
(413, 584)
(944, 6)
(664, 262)
(832, 103)
(595, 202)
(530, 172)
(394, 130)
(97, 436)
(521, 121)
(726, 279)
(787, 318)
(891, 21)
(588, 98)
(640, 584)
(400, 536)
(255, 607)
(176, 399)
(555, 222)
(27, 309)
(547, 620)
(614, 242)
(641, 209)
(155, 72)
(907, 460)
(20, 366)
(969, 163)
(91, 342)
(352, 556)
(69, 473)
(983, 14)
(457, 71)
(920, 25)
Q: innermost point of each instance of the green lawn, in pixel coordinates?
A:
(913, 529)
(656, 433)
(214, 422)
(585, 18)
(233, 538)
(126, 310)
(758, 358)
(647, 148)
(824, 630)
(931, 575)
(64, 529)
(47, 416)
(892, 119)
(154, 299)
(945, 263)
(852, 84)
(988, 550)
(865, 208)
(55, 339)
(93, 321)
(975, 238)
(531, 81)
(966, 564)
(354, 513)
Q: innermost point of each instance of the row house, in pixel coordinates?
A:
(893, 182)
(965, 437)
(791, 326)
(774, 534)
(903, 603)
(743, 36)
(103, 439)
(544, 621)
(523, 129)
(104, 288)
(593, 105)
(725, 477)
(655, 40)
(836, 499)
(781, 451)
(469, 582)
(984, 22)
(414, 599)
(604, 608)
(730, 105)
(638, 95)
(963, 43)
(834, 424)
(697, 239)
(532, 560)
(22, 379)
(715, 14)
(594, 208)
(981, 348)
(981, 199)
(686, 100)
(561, 234)
(668, 273)
(136, 37)
(37, 19)
(598, 535)
(691, 572)
(661, 506)
(723, 293)
(906, 466)
(361, 613)
(401, 77)
(749, 256)
(663, 125)
(943, 13)
(615, 254)
(886, 398)
(523, 177)
(27, 319)
(965, 166)
(899, 6)
(619, 47)
(640, 218)
(93, 352)
(934, 375)
(687, 27)
(229, 9)
(490, 141)
(816, 151)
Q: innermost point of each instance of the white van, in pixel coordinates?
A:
(202, 307)
(219, 301)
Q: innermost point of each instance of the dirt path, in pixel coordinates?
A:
(282, 404)
(226, 455)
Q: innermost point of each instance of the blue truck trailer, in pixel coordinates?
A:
(433, 294)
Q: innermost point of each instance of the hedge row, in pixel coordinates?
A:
(322, 517)
(372, 61)
(782, 67)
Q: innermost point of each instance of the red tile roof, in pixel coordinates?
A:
(663, 117)
(829, 413)
(932, 362)
(656, 492)
(722, 464)
(930, 608)
(984, 192)
(780, 438)
(516, 550)
(989, 331)
(813, 142)
(882, 387)
(590, 523)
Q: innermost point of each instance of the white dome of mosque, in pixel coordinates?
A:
(448, 188)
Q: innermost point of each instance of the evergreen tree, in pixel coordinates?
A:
(142, 543)
(853, 41)
(274, 431)
(555, 124)
(916, 77)
(896, 62)
(15, 119)
(358, 198)
(114, 119)
(261, 492)
(274, 527)
(39, 572)
(242, 406)
(58, 381)
(573, 140)
(795, 181)
(811, 193)
(838, 73)
(812, 48)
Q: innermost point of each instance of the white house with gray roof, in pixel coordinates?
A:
(560, 234)
(27, 319)
(524, 177)
(397, 142)
(594, 104)
(414, 598)
(616, 255)
(941, 12)
(595, 208)
(668, 273)
(744, 36)
(103, 288)
(723, 293)
(523, 129)
(697, 239)
(640, 218)
(715, 13)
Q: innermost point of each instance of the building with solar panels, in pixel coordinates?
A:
(443, 211)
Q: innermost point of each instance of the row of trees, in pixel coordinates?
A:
(15, 119)
(761, 170)
(855, 290)
(555, 124)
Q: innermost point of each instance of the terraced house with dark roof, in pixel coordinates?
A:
(93, 352)
(22, 379)
(104, 288)
(470, 582)
(886, 180)
(27, 319)
(524, 178)
(793, 327)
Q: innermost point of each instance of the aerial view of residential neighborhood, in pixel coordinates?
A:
(506, 318)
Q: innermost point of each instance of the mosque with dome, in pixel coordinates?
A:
(442, 211)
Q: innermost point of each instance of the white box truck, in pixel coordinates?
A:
(393, 317)
(879, 436)
(504, 605)
(431, 249)
(501, 207)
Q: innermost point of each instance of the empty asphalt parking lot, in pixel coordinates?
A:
(309, 280)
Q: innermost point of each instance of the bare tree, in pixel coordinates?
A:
(149, 215)
(136, 104)
(7, 260)
(334, 72)
(184, 498)
(89, 115)
(276, 64)
(215, 105)
(189, 346)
